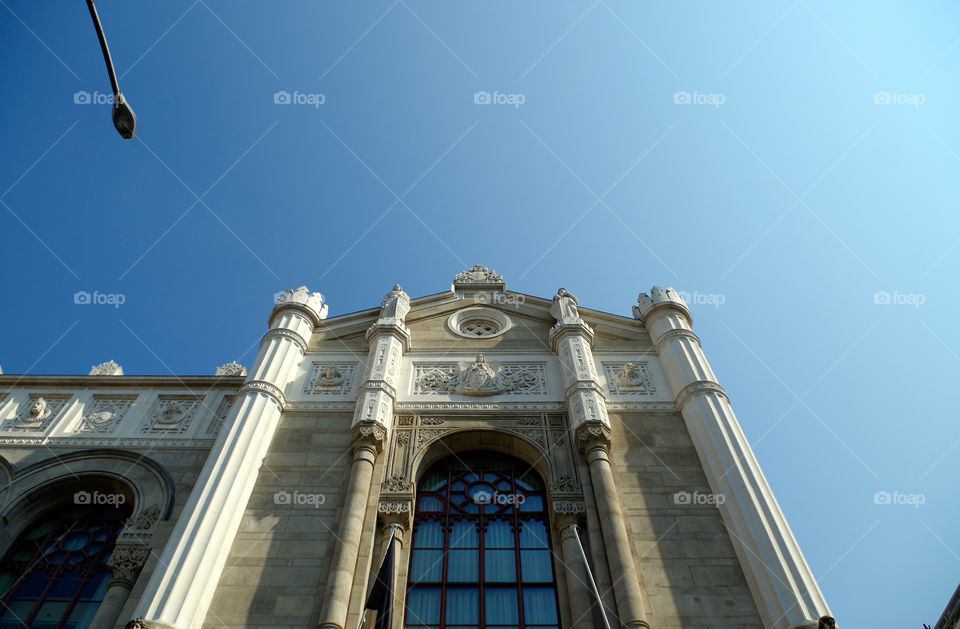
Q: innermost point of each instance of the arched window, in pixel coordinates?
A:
(55, 575)
(481, 547)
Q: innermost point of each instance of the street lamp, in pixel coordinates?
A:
(123, 118)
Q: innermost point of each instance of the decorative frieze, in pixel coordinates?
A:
(480, 378)
(329, 378)
(629, 378)
(172, 414)
(38, 413)
(569, 506)
(103, 413)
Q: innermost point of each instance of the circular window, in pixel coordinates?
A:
(478, 322)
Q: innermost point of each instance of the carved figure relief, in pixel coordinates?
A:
(478, 274)
(103, 414)
(172, 415)
(480, 378)
(329, 379)
(38, 413)
(629, 378)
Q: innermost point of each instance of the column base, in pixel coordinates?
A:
(329, 625)
(636, 624)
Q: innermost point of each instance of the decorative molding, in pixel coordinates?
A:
(480, 378)
(232, 368)
(592, 433)
(262, 386)
(480, 406)
(109, 368)
(329, 378)
(403, 438)
(629, 378)
(405, 420)
(697, 388)
(118, 442)
(641, 406)
(675, 333)
(145, 519)
(569, 506)
(104, 414)
(284, 333)
(432, 421)
(394, 506)
(172, 414)
(320, 406)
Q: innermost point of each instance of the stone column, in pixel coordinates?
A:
(579, 590)
(125, 563)
(396, 515)
(180, 590)
(388, 339)
(571, 338)
(783, 587)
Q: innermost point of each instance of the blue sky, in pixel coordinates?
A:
(814, 166)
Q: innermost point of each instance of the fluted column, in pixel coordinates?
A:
(373, 418)
(182, 586)
(783, 587)
(572, 340)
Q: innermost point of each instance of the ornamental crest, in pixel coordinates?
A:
(480, 378)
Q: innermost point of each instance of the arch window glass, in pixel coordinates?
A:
(55, 575)
(481, 548)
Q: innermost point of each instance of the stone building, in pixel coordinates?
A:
(529, 463)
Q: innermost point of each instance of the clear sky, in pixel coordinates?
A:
(791, 165)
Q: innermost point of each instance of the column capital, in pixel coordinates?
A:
(397, 330)
(368, 435)
(659, 299)
(267, 388)
(593, 435)
(396, 512)
(127, 560)
(311, 304)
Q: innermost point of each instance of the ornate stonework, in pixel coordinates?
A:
(629, 378)
(109, 368)
(38, 413)
(103, 414)
(397, 483)
(477, 274)
(480, 378)
(329, 378)
(127, 561)
(172, 414)
(232, 368)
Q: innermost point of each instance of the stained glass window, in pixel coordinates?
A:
(55, 575)
(481, 547)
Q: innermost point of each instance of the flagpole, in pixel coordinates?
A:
(593, 584)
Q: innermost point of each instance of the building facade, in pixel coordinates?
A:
(488, 458)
